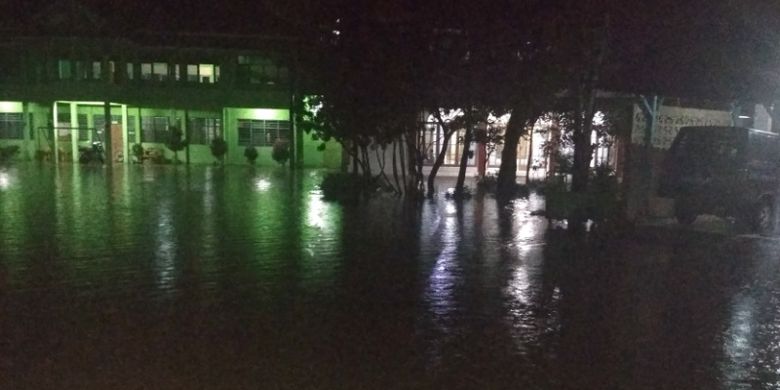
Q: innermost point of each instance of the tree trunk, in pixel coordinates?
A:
(464, 159)
(507, 172)
(530, 158)
(354, 158)
(395, 166)
(446, 135)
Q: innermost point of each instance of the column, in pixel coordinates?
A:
(27, 128)
(186, 129)
(74, 136)
(54, 134)
(107, 146)
(125, 136)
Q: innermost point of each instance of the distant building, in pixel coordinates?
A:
(53, 89)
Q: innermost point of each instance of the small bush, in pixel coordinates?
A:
(344, 187)
(218, 148)
(251, 154)
(281, 152)
(138, 152)
(8, 152)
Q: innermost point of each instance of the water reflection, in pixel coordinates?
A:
(5, 179)
(264, 282)
(165, 247)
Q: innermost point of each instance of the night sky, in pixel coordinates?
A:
(697, 48)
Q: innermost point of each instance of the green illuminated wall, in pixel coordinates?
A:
(39, 117)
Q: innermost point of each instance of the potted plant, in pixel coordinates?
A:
(138, 153)
(281, 151)
(251, 154)
(176, 142)
(219, 149)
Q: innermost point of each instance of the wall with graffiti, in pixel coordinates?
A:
(669, 121)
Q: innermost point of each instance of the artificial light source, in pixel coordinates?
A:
(744, 117)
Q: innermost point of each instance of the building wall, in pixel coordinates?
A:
(241, 92)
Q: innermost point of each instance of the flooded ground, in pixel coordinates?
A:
(168, 278)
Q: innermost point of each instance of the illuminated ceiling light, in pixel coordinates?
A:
(744, 117)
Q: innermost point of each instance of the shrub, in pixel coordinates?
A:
(138, 152)
(176, 142)
(251, 154)
(281, 152)
(345, 187)
(7, 152)
(218, 148)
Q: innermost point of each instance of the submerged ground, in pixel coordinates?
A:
(169, 278)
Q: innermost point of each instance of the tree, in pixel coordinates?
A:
(281, 151)
(176, 142)
(218, 149)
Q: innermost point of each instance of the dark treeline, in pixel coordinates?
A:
(378, 65)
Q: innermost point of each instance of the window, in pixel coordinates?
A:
(99, 120)
(154, 129)
(146, 71)
(258, 70)
(177, 72)
(83, 128)
(130, 73)
(83, 70)
(262, 132)
(96, 67)
(192, 73)
(160, 70)
(203, 73)
(434, 142)
(131, 128)
(206, 73)
(64, 69)
(203, 130)
(11, 126)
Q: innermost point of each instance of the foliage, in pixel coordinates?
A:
(218, 148)
(176, 142)
(8, 152)
(489, 183)
(347, 188)
(251, 154)
(281, 151)
(138, 152)
(599, 203)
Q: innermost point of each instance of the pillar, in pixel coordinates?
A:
(125, 136)
(109, 153)
(74, 129)
(54, 134)
(27, 129)
(186, 125)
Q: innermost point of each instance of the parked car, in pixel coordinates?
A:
(724, 171)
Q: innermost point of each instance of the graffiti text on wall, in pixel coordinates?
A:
(669, 121)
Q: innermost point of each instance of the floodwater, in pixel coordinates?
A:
(169, 278)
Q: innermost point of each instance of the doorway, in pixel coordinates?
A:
(117, 143)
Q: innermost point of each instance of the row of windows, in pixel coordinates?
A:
(156, 128)
(262, 132)
(202, 130)
(249, 70)
(157, 71)
(11, 126)
(161, 71)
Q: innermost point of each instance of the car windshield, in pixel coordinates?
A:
(713, 148)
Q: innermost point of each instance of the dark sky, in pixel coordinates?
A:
(696, 47)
